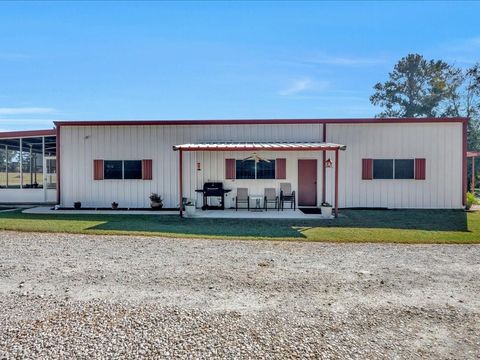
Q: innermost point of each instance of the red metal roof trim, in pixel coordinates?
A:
(27, 133)
(259, 121)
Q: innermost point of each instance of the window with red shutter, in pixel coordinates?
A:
(367, 169)
(97, 169)
(420, 169)
(281, 168)
(147, 171)
(230, 169)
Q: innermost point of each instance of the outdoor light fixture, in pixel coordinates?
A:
(199, 168)
(328, 163)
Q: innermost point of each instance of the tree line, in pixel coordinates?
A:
(418, 87)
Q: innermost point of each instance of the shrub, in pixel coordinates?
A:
(471, 200)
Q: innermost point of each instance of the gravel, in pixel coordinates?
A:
(77, 296)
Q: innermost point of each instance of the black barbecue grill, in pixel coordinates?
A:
(213, 189)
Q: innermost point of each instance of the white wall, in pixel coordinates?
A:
(23, 196)
(439, 143)
(80, 145)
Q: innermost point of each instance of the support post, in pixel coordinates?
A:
(324, 171)
(6, 162)
(473, 175)
(336, 183)
(180, 175)
(21, 163)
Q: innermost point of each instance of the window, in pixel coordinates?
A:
(122, 169)
(113, 169)
(383, 169)
(248, 169)
(245, 169)
(266, 170)
(13, 164)
(132, 169)
(32, 163)
(22, 161)
(393, 169)
(404, 169)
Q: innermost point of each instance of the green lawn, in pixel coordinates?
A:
(408, 226)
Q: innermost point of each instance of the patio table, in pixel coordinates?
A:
(258, 199)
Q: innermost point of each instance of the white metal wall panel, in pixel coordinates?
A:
(80, 145)
(439, 143)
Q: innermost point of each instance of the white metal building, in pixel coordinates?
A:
(361, 163)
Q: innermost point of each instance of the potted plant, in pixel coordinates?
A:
(156, 201)
(190, 208)
(326, 210)
(77, 205)
(114, 205)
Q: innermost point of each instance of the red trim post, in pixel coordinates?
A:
(473, 175)
(324, 170)
(336, 183)
(57, 154)
(464, 154)
(180, 185)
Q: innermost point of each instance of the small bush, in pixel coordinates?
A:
(471, 200)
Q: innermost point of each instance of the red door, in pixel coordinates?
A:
(307, 182)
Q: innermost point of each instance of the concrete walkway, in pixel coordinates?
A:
(213, 214)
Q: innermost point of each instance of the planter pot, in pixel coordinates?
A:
(326, 211)
(156, 205)
(189, 210)
(77, 205)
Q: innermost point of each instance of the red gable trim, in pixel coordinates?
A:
(27, 133)
(261, 121)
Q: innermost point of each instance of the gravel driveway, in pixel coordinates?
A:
(76, 296)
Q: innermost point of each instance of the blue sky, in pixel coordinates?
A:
(214, 60)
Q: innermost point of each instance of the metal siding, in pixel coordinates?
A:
(439, 143)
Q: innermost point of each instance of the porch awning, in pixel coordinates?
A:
(260, 146)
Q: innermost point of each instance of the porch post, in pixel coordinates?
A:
(473, 175)
(336, 183)
(180, 185)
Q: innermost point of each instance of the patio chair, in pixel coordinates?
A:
(287, 195)
(242, 198)
(270, 198)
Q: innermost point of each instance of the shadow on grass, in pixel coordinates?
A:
(429, 220)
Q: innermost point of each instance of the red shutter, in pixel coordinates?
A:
(147, 173)
(229, 168)
(420, 169)
(367, 169)
(281, 165)
(97, 169)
